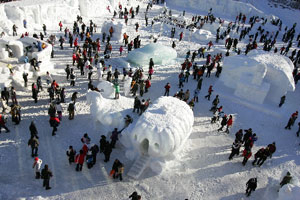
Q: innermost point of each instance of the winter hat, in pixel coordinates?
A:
(288, 173)
(36, 158)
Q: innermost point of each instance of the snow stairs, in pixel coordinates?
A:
(139, 166)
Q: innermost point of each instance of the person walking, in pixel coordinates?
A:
(79, 160)
(210, 90)
(33, 142)
(46, 175)
(251, 186)
(37, 166)
(167, 89)
(107, 151)
(71, 153)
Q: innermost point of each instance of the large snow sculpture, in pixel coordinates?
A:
(161, 54)
(109, 112)
(161, 130)
(259, 76)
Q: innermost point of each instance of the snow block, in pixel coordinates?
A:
(161, 54)
(258, 77)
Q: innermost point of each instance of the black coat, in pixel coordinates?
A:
(33, 130)
(46, 174)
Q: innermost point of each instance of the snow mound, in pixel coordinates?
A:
(162, 129)
(107, 89)
(203, 35)
(109, 112)
(259, 76)
(161, 54)
(290, 191)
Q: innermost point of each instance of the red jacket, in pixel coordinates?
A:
(80, 158)
(54, 119)
(229, 122)
(148, 83)
(167, 87)
(1, 120)
(85, 149)
(247, 154)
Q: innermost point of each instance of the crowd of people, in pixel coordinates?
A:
(86, 60)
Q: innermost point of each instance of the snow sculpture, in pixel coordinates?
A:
(258, 77)
(107, 89)
(15, 46)
(289, 191)
(203, 35)
(161, 54)
(127, 86)
(118, 30)
(161, 130)
(109, 112)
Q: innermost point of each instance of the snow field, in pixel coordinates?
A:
(200, 171)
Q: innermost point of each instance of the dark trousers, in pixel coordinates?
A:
(78, 167)
(137, 109)
(3, 126)
(107, 156)
(261, 161)
(37, 175)
(248, 191)
(54, 130)
(94, 158)
(113, 143)
(46, 183)
(34, 151)
(233, 153)
(166, 93)
(245, 161)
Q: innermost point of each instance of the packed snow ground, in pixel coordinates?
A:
(200, 171)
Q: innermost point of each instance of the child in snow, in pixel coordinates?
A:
(37, 165)
(71, 154)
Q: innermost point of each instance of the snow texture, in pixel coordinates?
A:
(118, 30)
(109, 112)
(259, 76)
(161, 54)
(228, 8)
(107, 89)
(162, 129)
(14, 45)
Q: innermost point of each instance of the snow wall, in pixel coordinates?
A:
(161, 55)
(161, 130)
(228, 8)
(50, 12)
(259, 76)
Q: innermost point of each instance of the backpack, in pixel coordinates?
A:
(72, 76)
